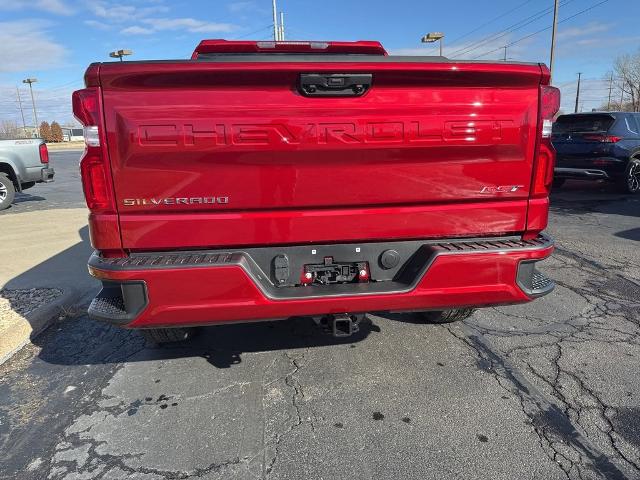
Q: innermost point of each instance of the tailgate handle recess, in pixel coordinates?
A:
(334, 84)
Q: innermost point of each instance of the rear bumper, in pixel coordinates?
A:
(590, 167)
(38, 174)
(206, 288)
(47, 175)
(581, 173)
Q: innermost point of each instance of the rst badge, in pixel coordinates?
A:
(491, 190)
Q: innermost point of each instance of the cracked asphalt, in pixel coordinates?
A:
(547, 390)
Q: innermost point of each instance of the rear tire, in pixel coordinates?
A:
(161, 336)
(558, 182)
(7, 191)
(630, 183)
(446, 316)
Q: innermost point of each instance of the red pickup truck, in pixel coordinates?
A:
(269, 180)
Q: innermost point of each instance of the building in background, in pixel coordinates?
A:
(27, 131)
(72, 134)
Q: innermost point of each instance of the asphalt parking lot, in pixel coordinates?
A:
(547, 390)
(64, 192)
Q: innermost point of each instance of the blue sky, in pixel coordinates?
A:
(54, 40)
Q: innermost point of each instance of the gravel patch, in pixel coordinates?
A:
(24, 301)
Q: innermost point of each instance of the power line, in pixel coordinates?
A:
(489, 22)
(542, 29)
(572, 82)
(254, 32)
(56, 87)
(511, 28)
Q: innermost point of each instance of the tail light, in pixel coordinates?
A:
(596, 137)
(545, 153)
(94, 167)
(44, 154)
(543, 164)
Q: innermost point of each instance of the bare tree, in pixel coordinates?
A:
(8, 129)
(627, 81)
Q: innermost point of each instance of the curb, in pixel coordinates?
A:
(35, 323)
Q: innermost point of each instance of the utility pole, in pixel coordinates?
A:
(610, 87)
(553, 36)
(31, 81)
(24, 124)
(281, 26)
(505, 53)
(276, 32)
(577, 93)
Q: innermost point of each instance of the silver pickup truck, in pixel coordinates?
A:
(23, 163)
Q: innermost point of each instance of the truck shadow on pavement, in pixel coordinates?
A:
(224, 345)
(64, 268)
(51, 287)
(82, 341)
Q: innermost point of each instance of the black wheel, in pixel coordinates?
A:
(7, 191)
(558, 182)
(446, 316)
(630, 183)
(161, 336)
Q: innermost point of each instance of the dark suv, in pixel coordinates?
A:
(598, 146)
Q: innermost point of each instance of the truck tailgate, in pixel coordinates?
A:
(224, 153)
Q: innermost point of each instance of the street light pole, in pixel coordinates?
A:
(120, 53)
(31, 81)
(553, 35)
(434, 37)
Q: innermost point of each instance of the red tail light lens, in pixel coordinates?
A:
(595, 137)
(86, 106)
(44, 154)
(95, 183)
(545, 153)
(543, 175)
(94, 167)
(549, 102)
